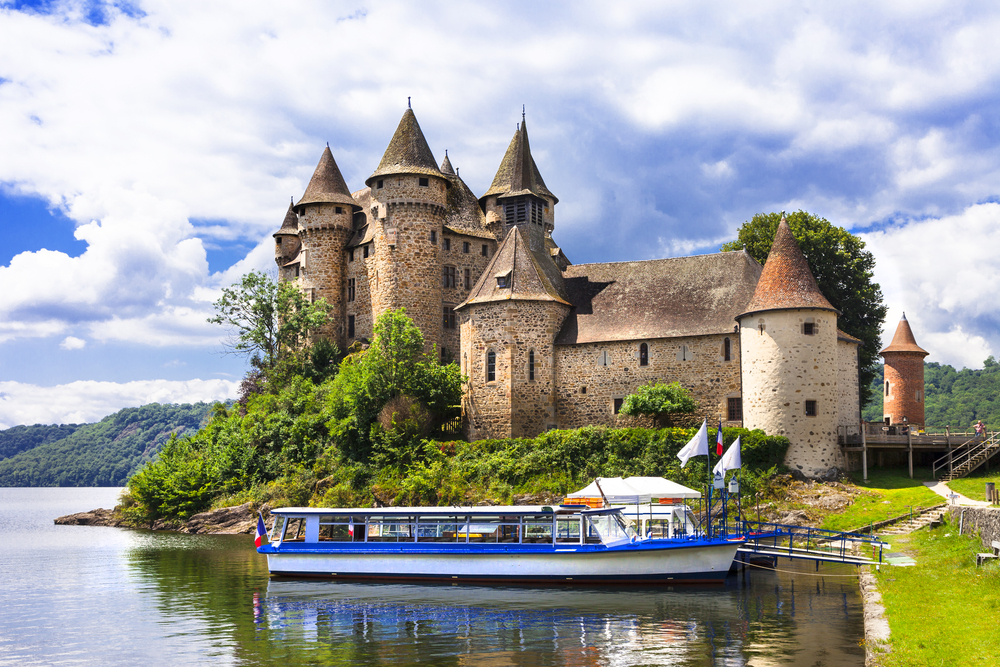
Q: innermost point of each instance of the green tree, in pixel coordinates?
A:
(659, 400)
(844, 271)
(268, 321)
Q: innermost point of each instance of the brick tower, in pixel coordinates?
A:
(325, 215)
(903, 393)
(408, 205)
(788, 343)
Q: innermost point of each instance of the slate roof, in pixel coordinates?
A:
(528, 277)
(327, 184)
(446, 167)
(290, 225)
(786, 282)
(844, 336)
(903, 340)
(408, 152)
(518, 174)
(462, 211)
(658, 298)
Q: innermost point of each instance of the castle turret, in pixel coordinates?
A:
(286, 243)
(788, 344)
(509, 325)
(325, 213)
(409, 195)
(903, 393)
(518, 196)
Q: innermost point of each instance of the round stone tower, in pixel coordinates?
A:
(286, 243)
(325, 215)
(409, 196)
(788, 344)
(903, 390)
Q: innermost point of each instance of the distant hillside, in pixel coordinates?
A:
(101, 454)
(952, 398)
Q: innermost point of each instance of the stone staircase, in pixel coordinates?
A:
(907, 525)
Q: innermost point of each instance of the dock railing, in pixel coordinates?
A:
(815, 544)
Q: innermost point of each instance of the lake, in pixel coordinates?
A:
(75, 595)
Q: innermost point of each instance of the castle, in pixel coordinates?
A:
(550, 344)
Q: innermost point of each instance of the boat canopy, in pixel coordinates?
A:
(658, 487)
(616, 490)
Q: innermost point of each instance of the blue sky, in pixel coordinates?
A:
(150, 148)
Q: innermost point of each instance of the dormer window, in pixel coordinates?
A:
(503, 280)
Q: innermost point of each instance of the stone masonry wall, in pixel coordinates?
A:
(324, 233)
(848, 411)
(904, 373)
(783, 368)
(982, 520)
(361, 270)
(586, 389)
(475, 262)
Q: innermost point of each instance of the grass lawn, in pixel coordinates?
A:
(891, 493)
(974, 486)
(944, 610)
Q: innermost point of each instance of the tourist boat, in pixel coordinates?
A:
(566, 544)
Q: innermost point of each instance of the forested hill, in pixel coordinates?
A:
(101, 454)
(952, 398)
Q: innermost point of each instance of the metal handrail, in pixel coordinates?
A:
(973, 449)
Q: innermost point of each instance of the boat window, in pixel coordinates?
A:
(568, 529)
(277, 528)
(538, 529)
(341, 529)
(491, 529)
(608, 528)
(295, 530)
(390, 529)
(439, 529)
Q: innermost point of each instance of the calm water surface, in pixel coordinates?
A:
(72, 595)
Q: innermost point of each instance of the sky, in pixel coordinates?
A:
(148, 150)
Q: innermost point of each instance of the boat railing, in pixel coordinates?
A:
(817, 544)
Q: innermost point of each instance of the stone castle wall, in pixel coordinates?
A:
(783, 368)
(324, 232)
(848, 409)
(586, 388)
(904, 374)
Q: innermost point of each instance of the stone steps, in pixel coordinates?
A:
(907, 526)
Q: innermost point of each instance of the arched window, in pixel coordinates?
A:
(531, 365)
(491, 366)
(643, 354)
(727, 350)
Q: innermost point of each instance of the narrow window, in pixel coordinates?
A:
(338, 210)
(602, 358)
(727, 350)
(364, 252)
(684, 354)
(424, 182)
(468, 279)
(734, 409)
(531, 365)
(617, 407)
(350, 326)
(350, 289)
(810, 408)
(522, 210)
(445, 356)
(886, 387)
(448, 276)
(446, 244)
(491, 366)
(296, 270)
(350, 255)
(466, 246)
(583, 390)
(277, 240)
(449, 318)
(918, 395)
(486, 250)
(643, 354)
(379, 184)
(434, 236)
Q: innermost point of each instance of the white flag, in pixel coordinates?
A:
(730, 460)
(697, 446)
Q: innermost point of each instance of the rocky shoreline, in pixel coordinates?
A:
(241, 520)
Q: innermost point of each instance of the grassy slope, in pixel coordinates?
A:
(944, 610)
(891, 493)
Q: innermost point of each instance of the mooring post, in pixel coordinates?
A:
(909, 447)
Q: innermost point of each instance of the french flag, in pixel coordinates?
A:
(258, 540)
(718, 440)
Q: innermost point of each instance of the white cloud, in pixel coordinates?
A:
(89, 401)
(73, 343)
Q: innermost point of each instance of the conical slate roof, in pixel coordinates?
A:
(462, 212)
(408, 152)
(786, 281)
(446, 167)
(518, 174)
(290, 225)
(526, 279)
(903, 340)
(327, 185)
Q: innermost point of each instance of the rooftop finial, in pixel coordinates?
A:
(328, 144)
(408, 106)
(457, 169)
(522, 112)
(446, 152)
